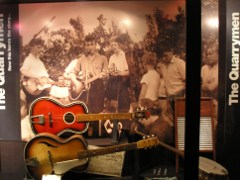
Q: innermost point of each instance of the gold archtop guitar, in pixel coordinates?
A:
(48, 154)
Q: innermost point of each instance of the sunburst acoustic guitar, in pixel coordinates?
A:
(51, 116)
(48, 154)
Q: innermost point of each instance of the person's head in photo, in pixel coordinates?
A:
(90, 44)
(212, 54)
(149, 59)
(114, 44)
(167, 54)
(36, 46)
(125, 42)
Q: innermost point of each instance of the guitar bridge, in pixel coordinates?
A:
(40, 118)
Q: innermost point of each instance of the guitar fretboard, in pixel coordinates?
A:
(96, 117)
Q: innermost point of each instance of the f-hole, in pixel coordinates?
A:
(69, 118)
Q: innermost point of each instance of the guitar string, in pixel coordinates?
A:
(90, 116)
(82, 120)
(84, 116)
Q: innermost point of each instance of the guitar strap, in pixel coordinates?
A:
(90, 71)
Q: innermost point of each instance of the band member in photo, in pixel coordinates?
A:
(209, 76)
(118, 82)
(133, 52)
(68, 74)
(88, 77)
(174, 74)
(162, 93)
(91, 67)
(149, 86)
(209, 72)
(160, 123)
(70, 68)
(36, 81)
(151, 80)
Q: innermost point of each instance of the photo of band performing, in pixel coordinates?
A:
(113, 67)
(103, 66)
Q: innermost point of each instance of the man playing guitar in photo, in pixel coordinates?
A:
(36, 81)
(90, 87)
(92, 68)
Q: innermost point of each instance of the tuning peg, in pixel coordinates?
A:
(147, 114)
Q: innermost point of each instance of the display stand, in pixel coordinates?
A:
(115, 135)
(207, 134)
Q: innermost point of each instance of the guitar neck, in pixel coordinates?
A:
(93, 78)
(106, 150)
(89, 80)
(96, 117)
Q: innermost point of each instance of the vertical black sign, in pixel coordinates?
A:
(9, 73)
(232, 104)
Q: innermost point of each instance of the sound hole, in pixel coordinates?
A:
(69, 118)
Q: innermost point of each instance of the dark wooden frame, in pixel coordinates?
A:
(206, 110)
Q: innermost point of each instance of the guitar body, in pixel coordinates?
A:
(49, 154)
(33, 87)
(49, 115)
(84, 85)
(77, 91)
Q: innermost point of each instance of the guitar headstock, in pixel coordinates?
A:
(148, 142)
(141, 114)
